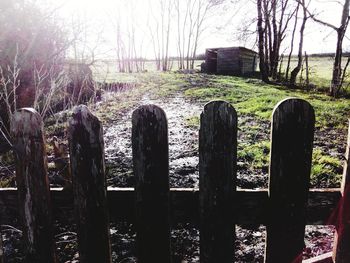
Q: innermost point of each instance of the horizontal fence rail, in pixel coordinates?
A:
(216, 207)
(184, 205)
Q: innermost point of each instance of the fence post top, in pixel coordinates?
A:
(287, 105)
(81, 115)
(151, 108)
(220, 106)
(81, 110)
(212, 103)
(26, 121)
(291, 100)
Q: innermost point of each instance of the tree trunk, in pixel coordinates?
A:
(337, 71)
(267, 35)
(274, 51)
(292, 41)
(294, 73)
(307, 83)
(262, 65)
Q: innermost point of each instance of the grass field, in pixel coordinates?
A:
(320, 71)
(252, 98)
(255, 100)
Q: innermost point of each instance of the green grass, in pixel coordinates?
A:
(251, 97)
(255, 98)
(257, 154)
(320, 71)
(326, 170)
(192, 121)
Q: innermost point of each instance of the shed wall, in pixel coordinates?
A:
(211, 60)
(228, 62)
(235, 61)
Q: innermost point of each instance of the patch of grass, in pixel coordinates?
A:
(192, 121)
(7, 181)
(257, 154)
(57, 129)
(252, 97)
(325, 170)
(320, 71)
(153, 84)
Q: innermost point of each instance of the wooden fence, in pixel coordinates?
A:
(285, 208)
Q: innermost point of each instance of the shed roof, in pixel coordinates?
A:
(231, 48)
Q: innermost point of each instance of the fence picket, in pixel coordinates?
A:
(290, 164)
(151, 171)
(89, 186)
(33, 186)
(341, 251)
(292, 131)
(217, 181)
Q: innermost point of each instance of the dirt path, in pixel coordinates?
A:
(183, 141)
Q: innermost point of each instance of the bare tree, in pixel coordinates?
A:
(296, 70)
(276, 17)
(166, 8)
(341, 30)
(262, 63)
(30, 38)
(191, 24)
(292, 41)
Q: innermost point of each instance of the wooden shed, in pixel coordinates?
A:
(236, 61)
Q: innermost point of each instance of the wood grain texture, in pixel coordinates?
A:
(217, 181)
(290, 165)
(151, 171)
(33, 187)
(86, 148)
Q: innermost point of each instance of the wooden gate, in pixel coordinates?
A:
(285, 208)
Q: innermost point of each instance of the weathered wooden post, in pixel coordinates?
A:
(89, 186)
(33, 185)
(341, 251)
(292, 132)
(151, 170)
(217, 181)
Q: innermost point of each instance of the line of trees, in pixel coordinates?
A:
(34, 71)
(274, 19)
(32, 51)
(171, 24)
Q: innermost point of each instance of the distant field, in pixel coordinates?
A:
(108, 70)
(320, 71)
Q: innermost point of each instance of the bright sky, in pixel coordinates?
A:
(101, 16)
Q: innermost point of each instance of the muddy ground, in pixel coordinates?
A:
(183, 145)
(183, 154)
(183, 162)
